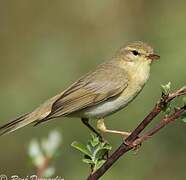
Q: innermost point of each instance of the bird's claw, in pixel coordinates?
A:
(135, 146)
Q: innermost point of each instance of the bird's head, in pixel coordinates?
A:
(138, 52)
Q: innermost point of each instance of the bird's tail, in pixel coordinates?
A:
(33, 117)
(38, 115)
(15, 124)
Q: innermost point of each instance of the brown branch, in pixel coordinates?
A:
(134, 138)
(165, 121)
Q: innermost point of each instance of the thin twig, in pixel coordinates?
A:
(165, 121)
(134, 138)
(179, 92)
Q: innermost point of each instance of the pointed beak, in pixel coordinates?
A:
(153, 57)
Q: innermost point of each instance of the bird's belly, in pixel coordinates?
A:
(111, 105)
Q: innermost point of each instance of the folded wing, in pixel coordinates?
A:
(107, 81)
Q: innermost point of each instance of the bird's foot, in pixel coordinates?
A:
(135, 146)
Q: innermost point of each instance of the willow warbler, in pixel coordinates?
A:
(104, 91)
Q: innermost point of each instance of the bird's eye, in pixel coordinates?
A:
(135, 52)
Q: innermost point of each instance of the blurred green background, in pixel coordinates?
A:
(46, 45)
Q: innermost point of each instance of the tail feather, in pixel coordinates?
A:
(15, 124)
(34, 117)
(37, 116)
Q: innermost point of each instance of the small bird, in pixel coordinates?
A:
(102, 92)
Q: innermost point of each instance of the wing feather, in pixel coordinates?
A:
(107, 81)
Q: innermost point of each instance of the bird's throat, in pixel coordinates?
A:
(138, 71)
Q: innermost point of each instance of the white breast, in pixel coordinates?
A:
(112, 105)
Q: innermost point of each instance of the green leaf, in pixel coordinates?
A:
(94, 151)
(107, 146)
(99, 164)
(167, 109)
(81, 148)
(184, 100)
(166, 88)
(94, 141)
(101, 153)
(88, 161)
(183, 117)
(90, 147)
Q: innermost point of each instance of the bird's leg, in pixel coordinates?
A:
(86, 122)
(101, 126)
